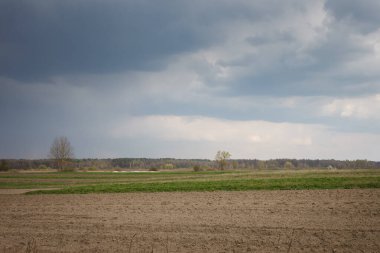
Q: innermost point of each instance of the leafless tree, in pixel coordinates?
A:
(221, 158)
(62, 151)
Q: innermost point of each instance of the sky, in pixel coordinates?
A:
(262, 79)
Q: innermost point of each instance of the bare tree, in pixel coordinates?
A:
(62, 151)
(221, 158)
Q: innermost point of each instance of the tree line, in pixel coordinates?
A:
(172, 163)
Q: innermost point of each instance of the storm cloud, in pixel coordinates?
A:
(44, 38)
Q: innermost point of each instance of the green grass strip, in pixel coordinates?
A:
(225, 185)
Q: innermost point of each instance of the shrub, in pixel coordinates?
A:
(168, 166)
(3, 165)
(288, 165)
(197, 168)
(43, 167)
(68, 169)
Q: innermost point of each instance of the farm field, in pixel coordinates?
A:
(103, 182)
(183, 211)
(343, 220)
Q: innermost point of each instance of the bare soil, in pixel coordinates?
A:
(22, 191)
(252, 221)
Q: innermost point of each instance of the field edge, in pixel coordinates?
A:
(223, 185)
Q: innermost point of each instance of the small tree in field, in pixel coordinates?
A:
(221, 158)
(288, 165)
(61, 151)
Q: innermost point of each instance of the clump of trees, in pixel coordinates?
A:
(61, 151)
(4, 165)
(221, 158)
(288, 165)
(197, 168)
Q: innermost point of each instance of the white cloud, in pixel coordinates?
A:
(194, 128)
(247, 139)
(357, 108)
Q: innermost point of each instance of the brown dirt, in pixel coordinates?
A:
(252, 221)
(22, 191)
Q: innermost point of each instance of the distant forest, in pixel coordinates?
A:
(196, 164)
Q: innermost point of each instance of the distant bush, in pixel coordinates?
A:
(43, 167)
(153, 169)
(68, 169)
(288, 165)
(168, 166)
(197, 168)
(87, 168)
(4, 165)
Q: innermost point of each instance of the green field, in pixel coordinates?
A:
(107, 182)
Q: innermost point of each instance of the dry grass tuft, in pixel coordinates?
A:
(31, 246)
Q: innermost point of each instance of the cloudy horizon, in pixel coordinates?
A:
(127, 78)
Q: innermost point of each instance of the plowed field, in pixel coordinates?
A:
(250, 221)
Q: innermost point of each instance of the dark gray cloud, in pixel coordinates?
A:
(258, 40)
(44, 38)
(50, 37)
(361, 14)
